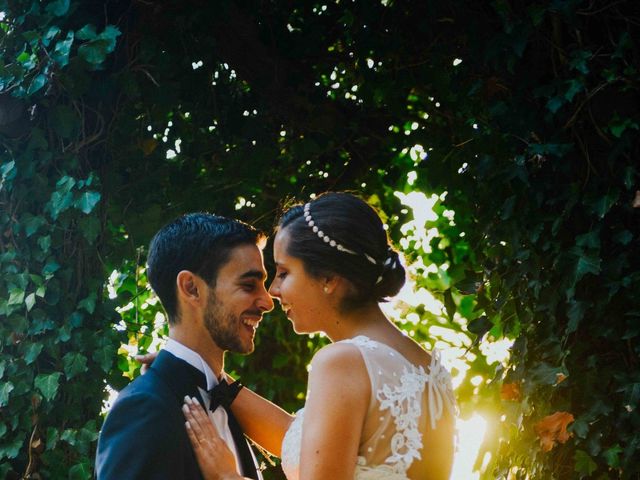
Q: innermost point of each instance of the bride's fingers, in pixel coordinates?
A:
(195, 441)
(199, 421)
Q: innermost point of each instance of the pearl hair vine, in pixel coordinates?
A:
(332, 243)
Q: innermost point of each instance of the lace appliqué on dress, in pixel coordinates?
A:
(404, 403)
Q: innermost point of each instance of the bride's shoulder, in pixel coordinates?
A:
(338, 368)
(337, 357)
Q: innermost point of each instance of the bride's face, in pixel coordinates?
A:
(301, 296)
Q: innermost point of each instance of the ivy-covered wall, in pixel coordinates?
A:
(117, 116)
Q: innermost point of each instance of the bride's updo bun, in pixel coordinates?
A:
(339, 233)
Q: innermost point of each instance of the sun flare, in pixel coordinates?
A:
(470, 436)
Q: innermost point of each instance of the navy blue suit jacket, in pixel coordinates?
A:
(144, 436)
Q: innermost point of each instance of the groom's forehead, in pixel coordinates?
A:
(245, 262)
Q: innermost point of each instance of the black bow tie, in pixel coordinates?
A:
(223, 394)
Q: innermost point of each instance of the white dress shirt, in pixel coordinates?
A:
(219, 418)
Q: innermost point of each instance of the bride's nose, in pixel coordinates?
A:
(274, 289)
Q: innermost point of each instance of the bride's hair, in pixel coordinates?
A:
(339, 233)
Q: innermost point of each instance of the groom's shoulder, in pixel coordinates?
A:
(148, 390)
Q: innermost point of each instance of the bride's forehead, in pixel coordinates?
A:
(280, 243)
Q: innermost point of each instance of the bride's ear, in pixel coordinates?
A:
(331, 284)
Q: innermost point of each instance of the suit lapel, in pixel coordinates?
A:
(183, 379)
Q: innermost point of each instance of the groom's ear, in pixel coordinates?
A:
(189, 287)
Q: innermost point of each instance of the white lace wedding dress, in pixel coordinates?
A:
(401, 392)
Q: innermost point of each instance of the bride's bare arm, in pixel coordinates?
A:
(339, 393)
(261, 420)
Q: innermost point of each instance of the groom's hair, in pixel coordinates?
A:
(198, 242)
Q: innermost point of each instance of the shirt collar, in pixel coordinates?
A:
(194, 359)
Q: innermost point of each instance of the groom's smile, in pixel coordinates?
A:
(239, 300)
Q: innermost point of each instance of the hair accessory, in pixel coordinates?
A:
(326, 238)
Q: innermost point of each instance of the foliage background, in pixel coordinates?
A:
(117, 116)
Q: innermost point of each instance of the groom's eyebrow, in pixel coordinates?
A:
(254, 274)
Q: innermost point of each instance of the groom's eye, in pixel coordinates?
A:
(248, 286)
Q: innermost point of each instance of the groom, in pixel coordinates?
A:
(209, 274)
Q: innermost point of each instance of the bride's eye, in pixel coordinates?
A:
(281, 275)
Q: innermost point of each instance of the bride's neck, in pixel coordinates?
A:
(363, 321)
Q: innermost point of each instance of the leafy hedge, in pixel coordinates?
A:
(115, 117)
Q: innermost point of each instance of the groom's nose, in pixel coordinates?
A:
(265, 302)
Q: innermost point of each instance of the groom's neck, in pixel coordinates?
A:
(202, 344)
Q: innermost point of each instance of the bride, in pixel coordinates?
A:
(378, 405)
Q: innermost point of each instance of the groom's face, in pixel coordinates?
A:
(238, 299)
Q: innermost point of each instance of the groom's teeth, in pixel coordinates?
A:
(251, 323)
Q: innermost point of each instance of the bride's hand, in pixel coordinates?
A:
(146, 360)
(214, 457)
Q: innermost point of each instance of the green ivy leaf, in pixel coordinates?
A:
(480, 326)
(74, 364)
(65, 183)
(60, 201)
(52, 438)
(87, 201)
(58, 7)
(576, 85)
(90, 227)
(50, 267)
(612, 456)
(37, 83)
(50, 35)
(32, 352)
(31, 224)
(575, 314)
(587, 264)
(5, 389)
(545, 374)
(80, 471)
(30, 301)
(88, 303)
(11, 448)
(16, 296)
(579, 61)
(62, 49)
(104, 357)
(589, 240)
(45, 243)
(555, 103)
(7, 168)
(64, 333)
(583, 463)
(48, 384)
(603, 204)
(88, 32)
